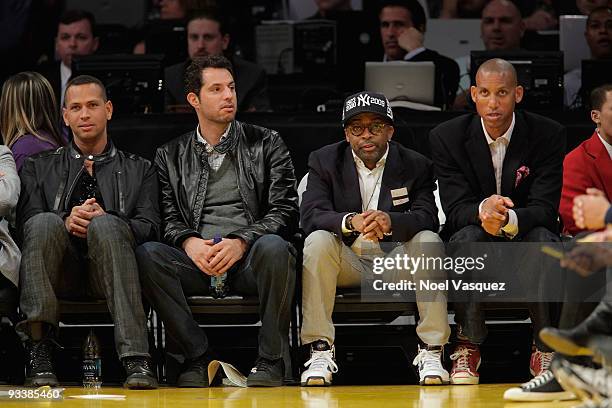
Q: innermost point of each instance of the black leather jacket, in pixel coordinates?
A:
(128, 185)
(266, 183)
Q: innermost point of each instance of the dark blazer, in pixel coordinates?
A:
(446, 74)
(251, 85)
(51, 71)
(588, 165)
(333, 191)
(466, 177)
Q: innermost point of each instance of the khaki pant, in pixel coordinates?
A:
(329, 263)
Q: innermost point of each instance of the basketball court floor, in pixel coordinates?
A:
(405, 396)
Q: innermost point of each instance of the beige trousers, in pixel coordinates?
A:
(329, 263)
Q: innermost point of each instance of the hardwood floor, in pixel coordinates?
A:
(407, 396)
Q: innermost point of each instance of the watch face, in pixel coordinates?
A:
(349, 222)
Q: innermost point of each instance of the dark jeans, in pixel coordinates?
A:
(52, 266)
(469, 315)
(581, 295)
(169, 276)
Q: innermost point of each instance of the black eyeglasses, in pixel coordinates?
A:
(376, 128)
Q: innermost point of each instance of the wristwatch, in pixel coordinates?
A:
(348, 222)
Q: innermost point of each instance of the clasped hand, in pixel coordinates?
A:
(81, 216)
(494, 213)
(373, 224)
(214, 259)
(593, 253)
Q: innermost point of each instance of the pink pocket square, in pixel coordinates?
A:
(521, 174)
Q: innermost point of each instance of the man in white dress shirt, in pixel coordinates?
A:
(76, 36)
(500, 172)
(368, 199)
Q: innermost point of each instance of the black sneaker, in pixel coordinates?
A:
(195, 374)
(40, 365)
(267, 373)
(139, 373)
(592, 386)
(543, 387)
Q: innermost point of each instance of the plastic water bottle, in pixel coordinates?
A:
(92, 362)
(218, 284)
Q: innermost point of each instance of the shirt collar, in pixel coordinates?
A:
(65, 71)
(607, 145)
(381, 162)
(408, 56)
(205, 143)
(506, 135)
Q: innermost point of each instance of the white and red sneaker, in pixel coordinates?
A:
(539, 361)
(466, 361)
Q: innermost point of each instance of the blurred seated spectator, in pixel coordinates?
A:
(583, 7)
(589, 166)
(29, 116)
(402, 30)
(76, 35)
(14, 17)
(207, 34)
(172, 10)
(327, 7)
(540, 15)
(462, 8)
(501, 29)
(598, 34)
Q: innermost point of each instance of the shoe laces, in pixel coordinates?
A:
(41, 354)
(262, 364)
(538, 380)
(132, 363)
(545, 359)
(321, 360)
(461, 356)
(430, 359)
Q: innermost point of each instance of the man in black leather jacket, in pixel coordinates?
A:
(83, 209)
(234, 182)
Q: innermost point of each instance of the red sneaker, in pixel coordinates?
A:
(466, 361)
(539, 361)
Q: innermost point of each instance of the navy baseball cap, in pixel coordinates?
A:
(365, 101)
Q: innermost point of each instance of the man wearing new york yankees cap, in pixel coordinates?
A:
(367, 198)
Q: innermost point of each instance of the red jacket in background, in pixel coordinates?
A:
(588, 165)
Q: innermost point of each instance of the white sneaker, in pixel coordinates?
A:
(321, 365)
(429, 363)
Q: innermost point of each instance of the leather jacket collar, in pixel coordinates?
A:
(109, 152)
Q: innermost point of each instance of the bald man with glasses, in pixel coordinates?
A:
(368, 199)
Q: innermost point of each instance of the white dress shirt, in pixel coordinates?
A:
(65, 74)
(607, 145)
(369, 188)
(498, 148)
